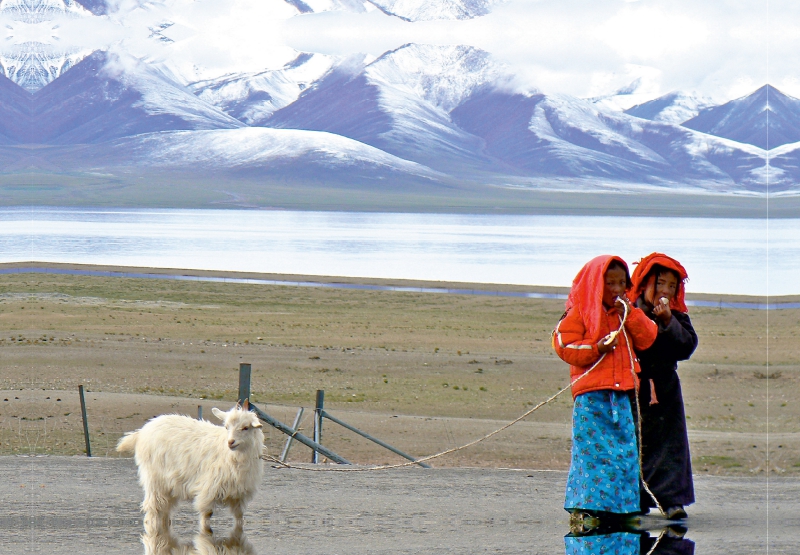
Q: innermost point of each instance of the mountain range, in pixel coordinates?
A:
(418, 114)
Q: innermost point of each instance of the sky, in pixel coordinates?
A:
(587, 48)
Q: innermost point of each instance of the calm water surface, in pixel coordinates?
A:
(739, 256)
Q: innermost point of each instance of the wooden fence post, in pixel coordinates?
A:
(244, 382)
(85, 422)
(318, 423)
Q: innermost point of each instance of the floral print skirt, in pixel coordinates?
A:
(604, 472)
(618, 543)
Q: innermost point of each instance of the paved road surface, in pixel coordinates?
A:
(80, 506)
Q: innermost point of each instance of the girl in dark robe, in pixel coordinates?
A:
(658, 289)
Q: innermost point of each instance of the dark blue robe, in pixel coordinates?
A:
(666, 461)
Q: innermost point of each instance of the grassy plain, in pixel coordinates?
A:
(485, 194)
(422, 371)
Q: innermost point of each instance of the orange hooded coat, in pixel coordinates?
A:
(587, 321)
(641, 284)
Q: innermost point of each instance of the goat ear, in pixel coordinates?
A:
(218, 413)
(256, 424)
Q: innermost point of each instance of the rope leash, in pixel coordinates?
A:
(639, 428)
(448, 451)
(658, 541)
(609, 339)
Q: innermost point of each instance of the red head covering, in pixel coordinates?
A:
(641, 280)
(586, 294)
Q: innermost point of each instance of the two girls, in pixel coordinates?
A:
(600, 335)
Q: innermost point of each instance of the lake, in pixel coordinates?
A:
(728, 256)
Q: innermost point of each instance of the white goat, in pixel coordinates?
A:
(183, 459)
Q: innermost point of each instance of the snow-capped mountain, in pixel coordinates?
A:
(249, 149)
(409, 10)
(675, 108)
(425, 10)
(767, 118)
(568, 137)
(107, 96)
(253, 98)
(450, 108)
(32, 65)
(38, 11)
(399, 103)
(784, 167)
(417, 115)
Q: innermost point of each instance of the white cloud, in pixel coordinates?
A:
(579, 47)
(647, 33)
(589, 47)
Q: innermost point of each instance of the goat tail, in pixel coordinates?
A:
(127, 444)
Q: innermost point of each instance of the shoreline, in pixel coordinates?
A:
(366, 283)
(462, 198)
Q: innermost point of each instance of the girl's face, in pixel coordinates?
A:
(666, 285)
(616, 282)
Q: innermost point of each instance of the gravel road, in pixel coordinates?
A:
(81, 506)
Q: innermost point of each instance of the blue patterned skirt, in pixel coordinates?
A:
(618, 543)
(604, 473)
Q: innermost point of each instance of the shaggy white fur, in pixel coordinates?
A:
(183, 459)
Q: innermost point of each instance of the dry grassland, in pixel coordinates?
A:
(422, 371)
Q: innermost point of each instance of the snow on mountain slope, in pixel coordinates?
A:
(541, 135)
(409, 10)
(253, 98)
(32, 65)
(565, 136)
(107, 96)
(37, 11)
(695, 156)
(441, 75)
(250, 150)
(767, 118)
(426, 10)
(318, 6)
(675, 108)
(784, 168)
(398, 103)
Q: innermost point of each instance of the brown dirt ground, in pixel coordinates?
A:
(421, 371)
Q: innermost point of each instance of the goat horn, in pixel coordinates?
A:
(246, 405)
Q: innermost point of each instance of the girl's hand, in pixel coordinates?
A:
(622, 301)
(662, 312)
(603, 348)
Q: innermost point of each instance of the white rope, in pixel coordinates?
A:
(658, 541)
(608, 340)
(611, 336)
(448, 451)
(639, 427)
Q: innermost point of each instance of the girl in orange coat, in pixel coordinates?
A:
(604, 472)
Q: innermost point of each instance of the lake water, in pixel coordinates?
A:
(735, 256)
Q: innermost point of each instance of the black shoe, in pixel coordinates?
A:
(676, 513)
(676, 531)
